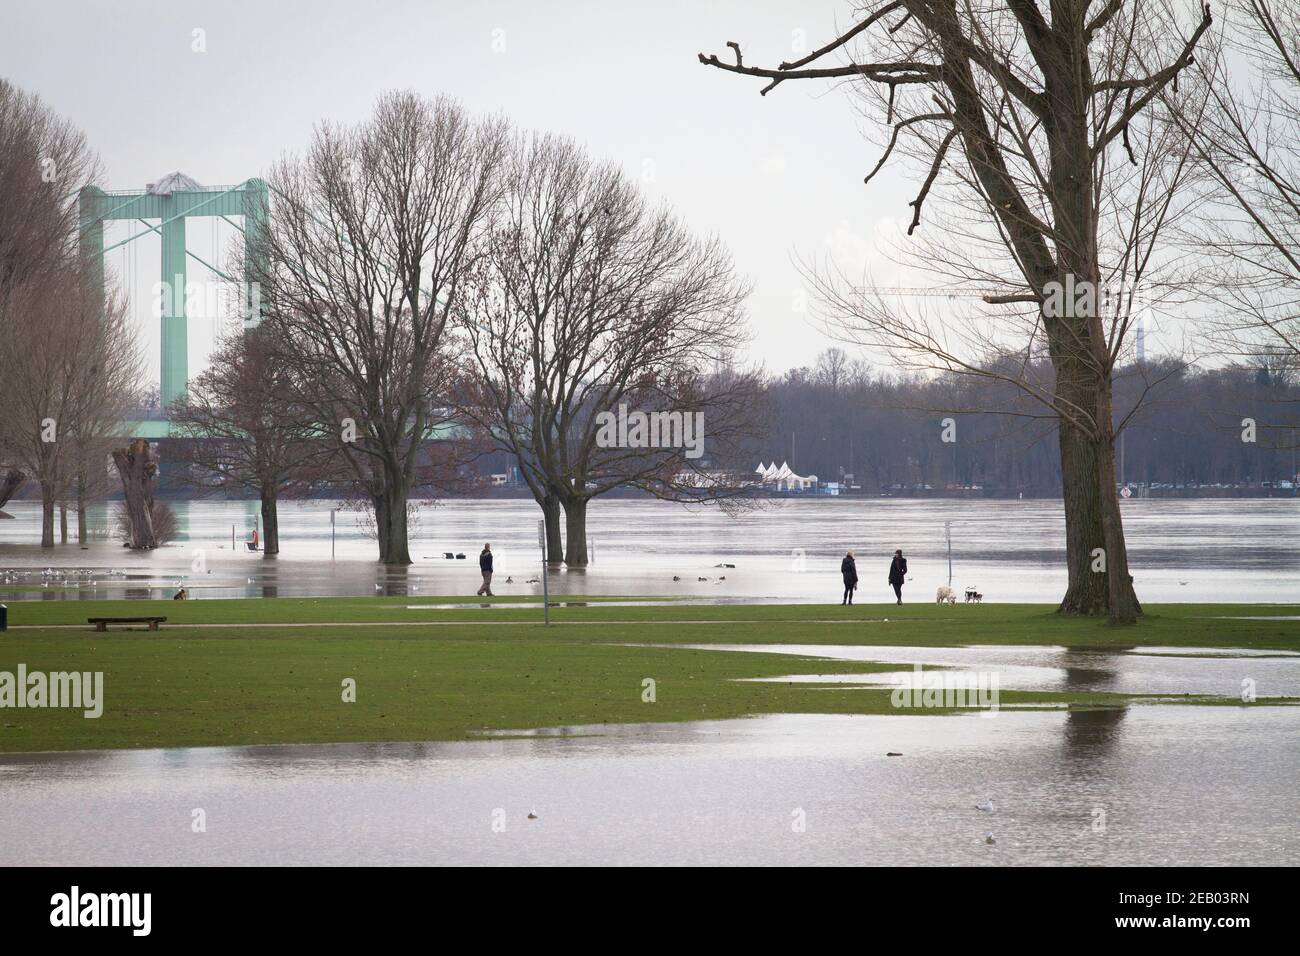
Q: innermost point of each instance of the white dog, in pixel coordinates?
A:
(945, 594)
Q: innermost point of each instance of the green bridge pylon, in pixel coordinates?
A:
(169, 202)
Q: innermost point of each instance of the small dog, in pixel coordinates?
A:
(945, 595)
(974, 597)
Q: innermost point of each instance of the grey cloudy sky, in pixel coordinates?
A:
(775, 176)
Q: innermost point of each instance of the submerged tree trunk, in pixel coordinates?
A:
(390, 522)
(270, 521)
(63, 522)
(575, 531)
(136, 468)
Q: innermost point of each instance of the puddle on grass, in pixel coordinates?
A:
(1163, 672)
(727, 792)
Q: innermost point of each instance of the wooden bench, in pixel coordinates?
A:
(101, 623)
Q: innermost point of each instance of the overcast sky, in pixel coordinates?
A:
(775, 176)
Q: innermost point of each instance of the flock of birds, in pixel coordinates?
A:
(58, 576)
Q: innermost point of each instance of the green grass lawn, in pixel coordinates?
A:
(271, 671)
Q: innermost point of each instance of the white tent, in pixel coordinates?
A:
(782, 478)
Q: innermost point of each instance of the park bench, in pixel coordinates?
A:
(101, 623)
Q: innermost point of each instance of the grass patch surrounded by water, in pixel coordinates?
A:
(274, 672)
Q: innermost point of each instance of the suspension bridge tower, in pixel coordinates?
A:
(163, 207)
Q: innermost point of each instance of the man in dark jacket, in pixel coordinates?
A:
(485, 565)
(898, 574)
(849, 569)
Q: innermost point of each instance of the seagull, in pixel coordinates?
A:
(986, 806)
(988, 838)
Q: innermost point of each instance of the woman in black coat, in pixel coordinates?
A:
(898, 574)
(849, 569)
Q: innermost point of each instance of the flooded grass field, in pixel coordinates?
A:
(1148, 755)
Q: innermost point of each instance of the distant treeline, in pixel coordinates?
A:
(840, 418)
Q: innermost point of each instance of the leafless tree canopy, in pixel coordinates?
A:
(1250, 142)
(588, 299)
(370, 236)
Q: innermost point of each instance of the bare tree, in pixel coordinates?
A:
(591, 309)
(240, 428)
(68, 388)
(1250, 143)
(369, 238)
(44, 160)
(1026, 111)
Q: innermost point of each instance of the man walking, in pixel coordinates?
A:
(849, 569)
(485, 565)
(898, 574)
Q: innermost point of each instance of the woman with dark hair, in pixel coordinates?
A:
(898, 574)
(849, 570)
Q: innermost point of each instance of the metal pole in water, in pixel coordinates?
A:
(332, 510)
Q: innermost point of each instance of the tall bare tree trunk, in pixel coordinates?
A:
(63, 522)
(1087, 592)
(47, 514)
(1122, 600)
(1097, 559)
(270, 522)
(81, 507)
